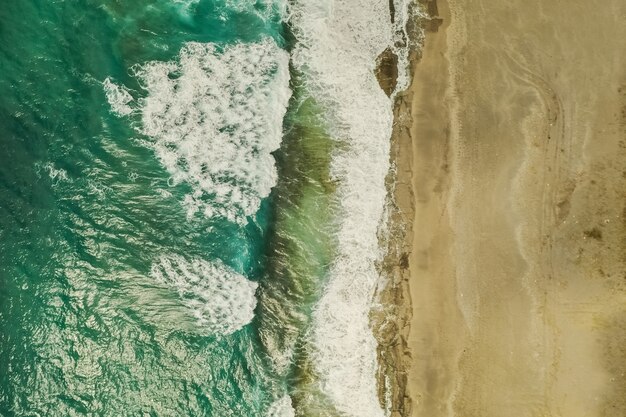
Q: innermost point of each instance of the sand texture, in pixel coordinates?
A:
(510, 150)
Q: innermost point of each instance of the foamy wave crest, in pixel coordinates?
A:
(215, 115)
(253, 5)
(282, 408)
(403, 42)
(55, 174)
(186, 3)
(118, 98)
(221, 300)
(339, 42)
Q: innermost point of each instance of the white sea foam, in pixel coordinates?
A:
(221, 300)
(405, 10)
(339, 42)
(118, 97)
(186, 4)
(282, 408)
(55, 174)
(250, 5)
(215, 115)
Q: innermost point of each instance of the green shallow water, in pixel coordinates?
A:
(85, 330)
(301, 249)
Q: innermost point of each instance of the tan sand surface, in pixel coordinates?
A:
(510, 150)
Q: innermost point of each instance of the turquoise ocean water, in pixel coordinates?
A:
(171, 211)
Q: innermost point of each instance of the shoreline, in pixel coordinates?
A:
(505, 261)
(399, 296)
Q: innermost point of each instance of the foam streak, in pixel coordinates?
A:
(339, 44)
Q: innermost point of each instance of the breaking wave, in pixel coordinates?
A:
(215, 116)
(221, 300)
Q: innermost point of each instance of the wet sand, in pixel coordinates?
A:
(509, 275)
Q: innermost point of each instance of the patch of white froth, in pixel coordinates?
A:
(221, 300)
(405, 10)
(118, 97)
(55, 174)
(339, 42)
(215, 116)
(282, 408)
(249, 5)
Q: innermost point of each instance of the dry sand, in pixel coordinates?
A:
(510, 150)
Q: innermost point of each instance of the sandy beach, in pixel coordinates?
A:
(509, 278)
